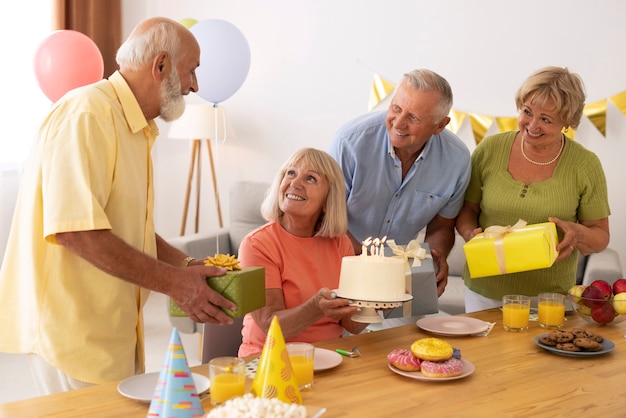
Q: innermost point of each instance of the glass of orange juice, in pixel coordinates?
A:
(302, 363)
(515, 312)
(551, 310)
(227, 375)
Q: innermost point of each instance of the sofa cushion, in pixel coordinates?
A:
(245, 210)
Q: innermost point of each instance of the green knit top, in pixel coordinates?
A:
(576, 191)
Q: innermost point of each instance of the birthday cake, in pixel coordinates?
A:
(372, 278)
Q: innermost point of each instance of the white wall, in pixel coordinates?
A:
(313, 61)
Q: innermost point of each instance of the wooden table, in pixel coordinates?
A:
(512, 377)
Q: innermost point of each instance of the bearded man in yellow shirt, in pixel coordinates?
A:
(82, 251)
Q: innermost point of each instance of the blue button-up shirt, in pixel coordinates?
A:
(380, 202)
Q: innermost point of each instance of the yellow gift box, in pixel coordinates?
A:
(511, 249)
(245, 287)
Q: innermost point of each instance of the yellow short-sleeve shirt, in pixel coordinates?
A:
(90, 169)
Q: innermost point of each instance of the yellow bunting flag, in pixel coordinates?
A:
(380, 90)
(506, 124)
(596, 112)
(456, 120)
(274, 377)
(619, 100)
(480, 125)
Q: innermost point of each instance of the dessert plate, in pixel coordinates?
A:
(407, 297)
(141, 387)
(468, 368)
(452, 325)
(325, 359)
(607, 344)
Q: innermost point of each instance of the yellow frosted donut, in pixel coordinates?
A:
(432, 349)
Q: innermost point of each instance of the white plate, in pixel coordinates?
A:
(326, 359)
(607, 344)
(141, 387)
(323, 359)
(468, 368)
(452, 325)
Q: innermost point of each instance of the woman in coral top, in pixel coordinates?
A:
(301, 248)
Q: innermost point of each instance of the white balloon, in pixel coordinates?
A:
(224, 59)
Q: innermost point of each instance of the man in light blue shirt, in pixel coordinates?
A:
(404, 171)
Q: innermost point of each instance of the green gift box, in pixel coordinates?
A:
(245, 287)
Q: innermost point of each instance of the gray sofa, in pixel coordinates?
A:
(245, 216)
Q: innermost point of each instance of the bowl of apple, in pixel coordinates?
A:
(600, 303)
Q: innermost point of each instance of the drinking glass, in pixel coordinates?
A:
(302, 363)
(227, 375)
(551, 310)
(515, 312)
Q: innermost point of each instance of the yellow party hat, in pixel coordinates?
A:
(274, 377)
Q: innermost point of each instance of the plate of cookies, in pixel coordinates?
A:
(576, 342)
(430, 359)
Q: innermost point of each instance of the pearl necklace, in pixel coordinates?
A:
(538, 163)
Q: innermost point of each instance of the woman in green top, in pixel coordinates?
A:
(538, 175)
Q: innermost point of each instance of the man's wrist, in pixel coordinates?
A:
(187, 261)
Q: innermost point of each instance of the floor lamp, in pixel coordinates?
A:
(200, 123)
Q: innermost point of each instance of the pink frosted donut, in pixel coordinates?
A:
(448, 368)
(403, 359)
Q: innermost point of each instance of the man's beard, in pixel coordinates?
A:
(172, 101)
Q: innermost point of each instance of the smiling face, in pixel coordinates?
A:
(302, 197)
(540, 123)
(413, 117)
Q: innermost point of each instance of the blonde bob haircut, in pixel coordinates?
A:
(333, 221)
(564, 88)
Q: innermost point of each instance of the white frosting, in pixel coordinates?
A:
(372, 278)
(248, 406)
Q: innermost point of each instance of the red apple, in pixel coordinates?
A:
(604, 286)
(619, 286)
(593, 297)
(604, 314)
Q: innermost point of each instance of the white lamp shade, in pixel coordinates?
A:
(200, 121)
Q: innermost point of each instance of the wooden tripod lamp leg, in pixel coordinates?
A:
(198, 184)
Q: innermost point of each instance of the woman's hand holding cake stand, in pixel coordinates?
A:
(339, 309)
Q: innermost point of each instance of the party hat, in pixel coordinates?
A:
(175, 395)
(274, 377)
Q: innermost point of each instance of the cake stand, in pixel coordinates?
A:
(368, 314)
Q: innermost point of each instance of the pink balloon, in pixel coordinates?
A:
(67, 59)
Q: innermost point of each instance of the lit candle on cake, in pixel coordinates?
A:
(364, 245)
(382, 245)
(375, 245)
